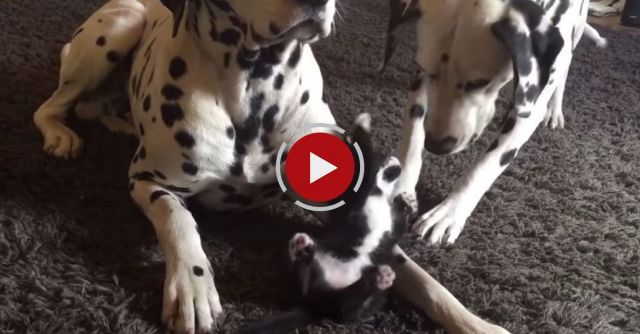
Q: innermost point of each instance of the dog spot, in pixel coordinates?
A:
(177, 68)
(185, 139)
(507, 157)
(256, 103)
(159, 174)
(274, 29)
(143, 176)
(229, 189)
(416, 111)
(391, 173)
(132, 187)
(444, 58)
(524, 114)
(198, 271)
(153, 119)
(171, 113)
(493, 145)
(237, 199)
(532, 93)
(113, 57)
(229, 37)
(294, 58)
(508, 125)
(231, 133)
(305, 98)
(101, 41)
(222, 5)
(141, 129)
(227, 59)
(146, 103)
(189, 168)
(416, 84)
(262, 71)
(66, 82)
(171, 92)
(265, 142)
(240, 149)
(400, 259)
(278, 82)
(178, 189)
(475, 84)
(268, 120)
(157, 194)
(376, 191)
(238, 23)
(143, 153)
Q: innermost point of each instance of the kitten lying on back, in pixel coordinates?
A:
(343, 270)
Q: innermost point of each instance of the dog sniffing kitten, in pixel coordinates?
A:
(343, 270)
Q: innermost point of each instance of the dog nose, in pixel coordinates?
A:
(313, 3)
(440, 146)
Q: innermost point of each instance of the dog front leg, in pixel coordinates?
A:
(446, 220)
(189, 289)
(413, 135)
(419, 288)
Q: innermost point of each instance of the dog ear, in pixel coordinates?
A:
(401, 12)
(534, 44)
(176, 7)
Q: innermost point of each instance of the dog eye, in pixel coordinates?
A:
(475, 84)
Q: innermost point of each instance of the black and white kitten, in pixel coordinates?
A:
(343, 270)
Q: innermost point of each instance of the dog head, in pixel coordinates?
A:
(468, 50)
(269, 21)
(340, 261)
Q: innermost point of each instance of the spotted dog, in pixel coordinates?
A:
(210, 88)
(342, 270)
(468, 51)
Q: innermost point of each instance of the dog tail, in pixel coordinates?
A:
(400, 13)
(283, 323)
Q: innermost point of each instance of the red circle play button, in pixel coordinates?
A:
(320, 167)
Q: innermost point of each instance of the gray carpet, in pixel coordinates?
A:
(552, 248)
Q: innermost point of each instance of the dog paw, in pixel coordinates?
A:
(300, 246)
(554, 119)
(191, 302)
(385, 277)
(444, 222)
(62, 142)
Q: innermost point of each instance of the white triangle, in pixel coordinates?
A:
(318, 168)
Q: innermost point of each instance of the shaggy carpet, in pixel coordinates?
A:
(552, 248)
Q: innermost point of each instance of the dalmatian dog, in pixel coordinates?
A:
(468, 51)
(210, 88)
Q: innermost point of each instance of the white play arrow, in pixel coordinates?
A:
(318, 168)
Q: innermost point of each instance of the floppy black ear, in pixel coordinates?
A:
(401, 12)
(177, 8)
(534, 44)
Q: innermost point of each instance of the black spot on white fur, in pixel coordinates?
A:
(507, 157)
(157, 194)
(198, 271)
(171, 113)
(185, 139)
(177, 68)
(171, 92)
(391, 173)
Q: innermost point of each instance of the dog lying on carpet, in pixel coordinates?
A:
(468, 51)
(343, 270)
(214, 86)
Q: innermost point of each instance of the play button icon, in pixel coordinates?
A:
(318, 168)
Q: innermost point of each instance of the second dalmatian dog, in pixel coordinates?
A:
(213, 86)
(468, 50)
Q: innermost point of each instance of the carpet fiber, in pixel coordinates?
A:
(552, 248)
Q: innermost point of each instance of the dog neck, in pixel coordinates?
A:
(238, 55)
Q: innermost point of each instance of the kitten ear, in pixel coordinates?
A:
(401, 12)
